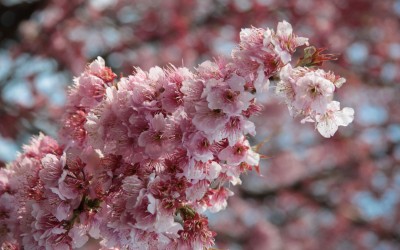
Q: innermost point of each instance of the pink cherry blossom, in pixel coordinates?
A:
(230, 97)
(328, 123)
(209, 120)
(313, 92)
(235, 154)
(199, 147)
(52, 169)
(286, 42)
(219, 199)
(156, 139)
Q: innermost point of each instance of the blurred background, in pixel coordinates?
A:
(314, 193)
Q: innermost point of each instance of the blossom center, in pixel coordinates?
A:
(230, 95)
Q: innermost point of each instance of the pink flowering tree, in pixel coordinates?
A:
(143, 159)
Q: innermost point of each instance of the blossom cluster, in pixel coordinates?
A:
(309, 93)
(141, 159)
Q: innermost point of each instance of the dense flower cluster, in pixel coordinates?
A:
(143, 158)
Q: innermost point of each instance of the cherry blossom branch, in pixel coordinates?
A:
(142, 158)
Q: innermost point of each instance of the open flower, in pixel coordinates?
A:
(328, 123)
(156, 139)
(286, 41)
(230, 97)
(313, 92)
